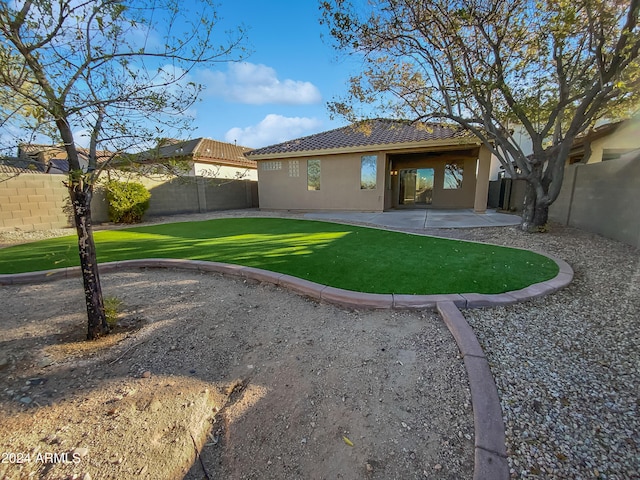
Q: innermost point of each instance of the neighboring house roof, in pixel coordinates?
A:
(39, 152)
(18, 165)
(203, 150)
(101, 155)
(370, 133)
(56, 155)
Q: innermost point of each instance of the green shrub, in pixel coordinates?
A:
(128, 201)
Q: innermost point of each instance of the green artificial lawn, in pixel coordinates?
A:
(343, 256)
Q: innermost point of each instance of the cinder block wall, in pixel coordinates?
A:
(37, 201)
(561, 208)
(33, 202)
(602, 198)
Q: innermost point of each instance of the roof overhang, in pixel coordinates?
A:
(405, 147)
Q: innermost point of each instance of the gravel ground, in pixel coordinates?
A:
(567, 366)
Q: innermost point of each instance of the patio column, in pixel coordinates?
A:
(482, 180)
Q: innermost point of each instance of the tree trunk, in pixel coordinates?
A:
(535, 214)
(81, 194)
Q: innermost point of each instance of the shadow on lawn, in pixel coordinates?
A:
(347, 257)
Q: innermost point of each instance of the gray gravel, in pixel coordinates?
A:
(567, 366)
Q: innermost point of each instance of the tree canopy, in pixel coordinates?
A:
(117, 71)
(550, 67)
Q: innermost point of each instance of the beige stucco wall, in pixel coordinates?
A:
(339, 185)
(626, 137)
(223, 171)
(340, 188)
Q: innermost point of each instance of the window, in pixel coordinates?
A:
(453, 176)
(294, 168)
(313, 174)
(368, 172)
(273, 165)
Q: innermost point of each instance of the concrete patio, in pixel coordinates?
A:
(422, 218)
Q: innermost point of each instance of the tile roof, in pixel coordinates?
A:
(48, 152)
(204, 150)
(368, 133)
(18, 165)
(101, 155)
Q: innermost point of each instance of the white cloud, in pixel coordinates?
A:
(256, 84)
(272, 129)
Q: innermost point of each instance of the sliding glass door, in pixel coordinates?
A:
(416, 186)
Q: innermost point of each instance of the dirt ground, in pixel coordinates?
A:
(216, 377)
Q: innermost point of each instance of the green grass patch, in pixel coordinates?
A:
(344, 256)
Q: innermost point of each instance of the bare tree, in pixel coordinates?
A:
(117, 70)
(553, 68)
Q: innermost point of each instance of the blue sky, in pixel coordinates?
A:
(281, 89)
(278, 92)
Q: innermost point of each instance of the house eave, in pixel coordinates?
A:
(405, 147)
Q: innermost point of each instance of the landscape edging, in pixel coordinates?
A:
(316, 290)
(490, 457)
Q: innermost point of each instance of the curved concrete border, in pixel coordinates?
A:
(490, 451)
(490, 456)
(315, 290)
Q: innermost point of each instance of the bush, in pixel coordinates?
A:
(128, 201)
(112, 306)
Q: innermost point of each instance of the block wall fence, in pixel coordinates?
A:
(33, 202)
(38, 201)
(602, 198)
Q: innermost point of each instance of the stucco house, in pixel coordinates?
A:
(208, 158)
(375, 165)
(607, 142)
